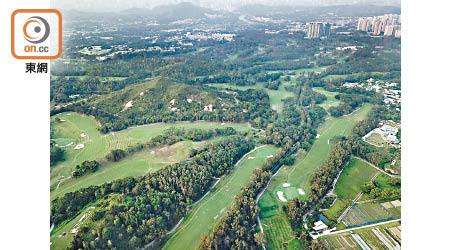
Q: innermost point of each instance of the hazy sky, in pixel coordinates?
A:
(117, 5)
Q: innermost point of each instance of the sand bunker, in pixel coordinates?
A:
(83, 135)
(286, 184)
(223, 123)
(300, 191)
(79, 146)
(281, 197)
(318, 136)
(269, 156)
(251, 157)
(128, 105)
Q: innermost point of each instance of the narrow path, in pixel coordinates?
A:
(115, 140)
(61, 181)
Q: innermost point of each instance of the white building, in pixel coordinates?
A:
(319, 226)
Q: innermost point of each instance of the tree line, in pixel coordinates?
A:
(237, 230)
(134, 211)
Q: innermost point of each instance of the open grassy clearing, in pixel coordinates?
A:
(376, 139)
(213, 207)
(275, 96)
(300, 173)
(331, 99)
(96, 145)
(352, 178)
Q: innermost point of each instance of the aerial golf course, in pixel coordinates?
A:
(298, 176)
(76, 129)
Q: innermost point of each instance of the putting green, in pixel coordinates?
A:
(289, 192)
(62, 142)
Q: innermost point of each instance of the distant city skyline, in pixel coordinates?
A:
(225, 5)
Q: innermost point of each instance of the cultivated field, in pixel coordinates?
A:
(214, 206)
(387, 236)
(355, 174)
(80, 129)
(366, 213)
(299, 175)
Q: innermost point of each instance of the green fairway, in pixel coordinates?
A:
(299, 175)
(137, 164)
(213, 207)
(276, 97)
(352, 178)
(71, 128)
(97, 145)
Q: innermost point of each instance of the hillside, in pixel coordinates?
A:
(163, 100)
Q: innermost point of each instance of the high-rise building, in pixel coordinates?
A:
(387, 24)
(318, 29)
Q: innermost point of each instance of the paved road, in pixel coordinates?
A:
(361, 227)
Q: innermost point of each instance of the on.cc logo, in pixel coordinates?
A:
(36, 29)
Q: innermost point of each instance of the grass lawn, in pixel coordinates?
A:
(352, 178)
(97, 145)
(336, 210)
(213, 207)
(300, 175)
(376, 139)
(382, 181)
